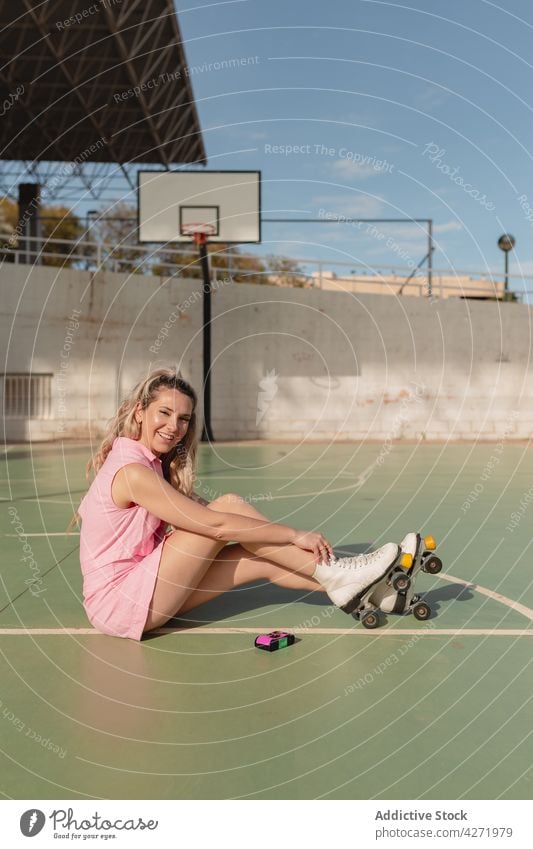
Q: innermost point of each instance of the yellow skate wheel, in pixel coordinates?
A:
(430, 543)
(406, 561)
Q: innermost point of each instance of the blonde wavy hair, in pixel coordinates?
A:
(179, 464)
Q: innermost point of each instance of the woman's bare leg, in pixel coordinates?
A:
(187, 557)
(234, 566)
(184, 561)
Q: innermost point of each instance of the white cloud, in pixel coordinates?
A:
(352, 205)
(358, 170)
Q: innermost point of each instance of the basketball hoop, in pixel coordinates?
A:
(222, 206)
(198, 231)
(200, 207)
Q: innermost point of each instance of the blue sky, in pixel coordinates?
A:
(421, 109)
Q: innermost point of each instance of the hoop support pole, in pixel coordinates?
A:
(201, 241)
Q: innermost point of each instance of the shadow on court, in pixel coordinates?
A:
(258, 597)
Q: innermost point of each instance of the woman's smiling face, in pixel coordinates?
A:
(165, 421)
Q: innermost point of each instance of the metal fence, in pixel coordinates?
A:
(314, 272)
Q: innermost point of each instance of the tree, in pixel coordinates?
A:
(240, 268)
(6, 228)
(57, 222)
(284, 271)
(224, 261)
(117, 229)
(173, 262)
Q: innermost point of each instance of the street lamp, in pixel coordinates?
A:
(506, 243)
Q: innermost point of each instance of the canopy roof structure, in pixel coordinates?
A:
(96, 81)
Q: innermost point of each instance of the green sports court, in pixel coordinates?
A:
(413, 710)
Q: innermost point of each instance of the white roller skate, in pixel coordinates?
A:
(350, 587)
(396, 593)
(355, 561)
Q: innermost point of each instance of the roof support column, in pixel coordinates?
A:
(29, 223)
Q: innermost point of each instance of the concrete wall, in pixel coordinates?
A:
(287, 363)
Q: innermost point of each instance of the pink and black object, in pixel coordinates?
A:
(274, 641)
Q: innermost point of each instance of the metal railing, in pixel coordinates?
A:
(316, 272)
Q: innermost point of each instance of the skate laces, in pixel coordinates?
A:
(371, 558)
(356, 561)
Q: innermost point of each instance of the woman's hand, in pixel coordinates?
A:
(315, 542)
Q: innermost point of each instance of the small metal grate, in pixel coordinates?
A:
(27, 396)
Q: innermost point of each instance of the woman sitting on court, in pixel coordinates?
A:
(138, 574)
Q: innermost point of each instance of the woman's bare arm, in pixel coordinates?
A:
(140, 485)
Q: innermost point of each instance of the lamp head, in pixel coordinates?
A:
(506, 242)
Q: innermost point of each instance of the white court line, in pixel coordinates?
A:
(515, 605)
(55, 534)
(237, 476)
(29, 498)
(353, 632)
(502, 599)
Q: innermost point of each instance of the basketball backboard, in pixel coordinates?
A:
(225, 205)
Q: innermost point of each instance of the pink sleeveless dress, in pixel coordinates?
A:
(120, 548)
